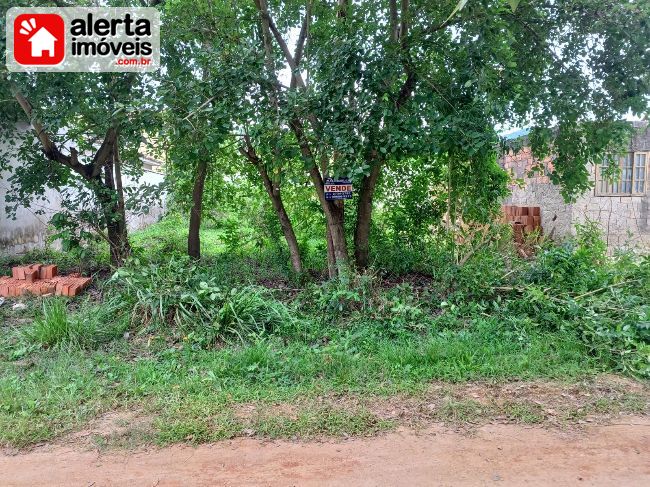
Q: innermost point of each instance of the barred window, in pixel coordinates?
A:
(629, 177)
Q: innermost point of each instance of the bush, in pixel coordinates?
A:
(184, 296)
(604, 300)
(250, 311)
(177, 292)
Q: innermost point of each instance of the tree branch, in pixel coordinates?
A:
(302, 37)
(392, 8)
(105, 152)
(50, 149)
(266, 17)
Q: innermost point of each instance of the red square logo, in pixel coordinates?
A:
(39, 39)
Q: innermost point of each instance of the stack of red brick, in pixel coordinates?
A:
(524, 220)
(39, 279)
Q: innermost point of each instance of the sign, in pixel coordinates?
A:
(338, 189)
(78, 39)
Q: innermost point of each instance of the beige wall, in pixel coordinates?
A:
(625, 220)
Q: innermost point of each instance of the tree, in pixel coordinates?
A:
(208, 76)
(90, 127)
(87, 132)
(388, 82)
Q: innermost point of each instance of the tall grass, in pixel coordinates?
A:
(55, 328)
(58, 328)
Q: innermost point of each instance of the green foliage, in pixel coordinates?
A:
(177, 292)
(184, 295)
(604, 300)
(250, 311)
(54, 327)
(576, 265)
(90, 326)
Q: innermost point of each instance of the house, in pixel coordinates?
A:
(621, 207)
(42, 41)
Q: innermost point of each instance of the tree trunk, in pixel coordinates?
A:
(287, 228)
(331, 258)
(115, 216)
(364, 216)
(193, 238)
(334, 215)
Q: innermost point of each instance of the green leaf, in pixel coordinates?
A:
(514, 4)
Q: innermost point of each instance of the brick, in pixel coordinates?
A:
(59, 288)
(534, 211)
(18, 272)
(31, 275)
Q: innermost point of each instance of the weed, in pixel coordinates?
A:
(248, 312)
(55, 328)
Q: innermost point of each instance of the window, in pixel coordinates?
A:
(630, 178)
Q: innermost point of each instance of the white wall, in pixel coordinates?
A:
(29, 230)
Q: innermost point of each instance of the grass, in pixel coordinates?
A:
(236, 345)
(55, 391)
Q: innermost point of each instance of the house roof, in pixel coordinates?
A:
(42, 35)
(516, 134)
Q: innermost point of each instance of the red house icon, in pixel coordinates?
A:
(39, 39)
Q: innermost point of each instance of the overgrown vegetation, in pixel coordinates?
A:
(255, 288)
(186, 341)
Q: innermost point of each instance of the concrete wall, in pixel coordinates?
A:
(30, 230)
(625, 220)
(557, 216)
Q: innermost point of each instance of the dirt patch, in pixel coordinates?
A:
(465, 406)
(508, 454)
(115, 429)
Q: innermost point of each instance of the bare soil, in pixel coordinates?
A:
(595, 432)
(501, 454)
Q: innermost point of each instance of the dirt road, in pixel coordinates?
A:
(615, 454)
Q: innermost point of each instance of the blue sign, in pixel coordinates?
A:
(338, 189)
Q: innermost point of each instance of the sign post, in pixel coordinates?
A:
(338, 189)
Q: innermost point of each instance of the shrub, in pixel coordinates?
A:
(603, 300)
(250, 311)
(177, 291)
(88, 327)
(578, 264)
(183, 294)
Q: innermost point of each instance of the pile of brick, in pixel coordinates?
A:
(524, 220)
(39, 279)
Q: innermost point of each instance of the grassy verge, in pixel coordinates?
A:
(48, 393)
(236, 345)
